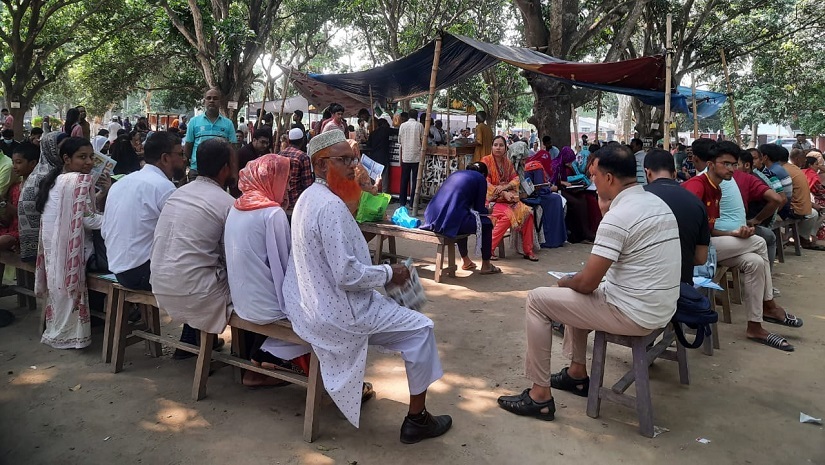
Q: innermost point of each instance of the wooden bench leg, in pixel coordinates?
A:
(153, 324)
(439, 262)
(682, 359)
(502, 251)
(315, 391)
(644, 406)
(20, 277)
(202, 365)
(451, 259)
(379, 249)
(239, 350)
(120, 330)
(594, 400)
(108, 327)
(797, 245)
(736, 288)
(780, 245)
(393, 252)
(31, 300)
(715, 336)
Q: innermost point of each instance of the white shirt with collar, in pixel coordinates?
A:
(132, 210)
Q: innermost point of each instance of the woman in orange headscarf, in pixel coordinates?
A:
(503, 192)
(257, 243)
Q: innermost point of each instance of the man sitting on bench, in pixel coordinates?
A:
(741, 249)
(633, 251)
(330, 297)
(188, 266)
(257, 242)
(456, 209)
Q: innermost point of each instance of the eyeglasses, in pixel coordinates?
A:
(728, 164)
(347, 161)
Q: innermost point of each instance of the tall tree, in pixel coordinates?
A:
(227, 38)
(701, 28)
(40, 39)
(570, 29)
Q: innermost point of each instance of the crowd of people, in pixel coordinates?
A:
(273, 236)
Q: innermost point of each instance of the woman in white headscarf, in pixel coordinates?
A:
(100, 144)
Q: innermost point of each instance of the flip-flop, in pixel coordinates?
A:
(532, 258)
(776, 341)
(493, 270)
(469, 267)
(813, 247)
(494, 257)
(790, 320)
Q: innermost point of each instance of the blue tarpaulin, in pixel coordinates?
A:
(462, 57)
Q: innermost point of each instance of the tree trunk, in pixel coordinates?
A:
(551, 108)
(623, 131)
(18, 114)
(646, 117)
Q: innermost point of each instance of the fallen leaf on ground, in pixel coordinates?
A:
(76, 388)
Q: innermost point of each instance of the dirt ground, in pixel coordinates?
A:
(66, 407)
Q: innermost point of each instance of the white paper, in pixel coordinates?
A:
(703, 441)
(805, 418)
(374, 168)
(411, 294)
(561, 274)
(657, 430)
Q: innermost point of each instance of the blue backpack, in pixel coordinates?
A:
(693, 310)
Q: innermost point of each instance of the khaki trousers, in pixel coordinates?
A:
(751, 257)
(580, 313)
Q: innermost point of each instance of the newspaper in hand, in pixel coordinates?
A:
(374, 168)
(411, 293)
(102, 164)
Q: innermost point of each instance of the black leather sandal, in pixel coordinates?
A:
(524, 405)
(565, 382)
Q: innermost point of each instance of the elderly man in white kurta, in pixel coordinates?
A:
(257, 243)
(330, 297)
(188, 266)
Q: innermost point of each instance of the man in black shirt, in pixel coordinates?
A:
(297, 122)
(694, 231)
(379, 144)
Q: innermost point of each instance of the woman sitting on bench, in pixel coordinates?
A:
(503, 193)
(456, 210)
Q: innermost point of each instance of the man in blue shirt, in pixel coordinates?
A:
(206, 126)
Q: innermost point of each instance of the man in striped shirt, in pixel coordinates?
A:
(633, 253)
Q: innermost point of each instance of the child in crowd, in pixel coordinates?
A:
(24, 159)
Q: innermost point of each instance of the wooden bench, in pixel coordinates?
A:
(24, 277)
(389, 232)
(792, 226)
(639, 373)
(239, 359)
(125, 335)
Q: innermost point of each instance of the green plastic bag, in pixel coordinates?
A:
(372, 207)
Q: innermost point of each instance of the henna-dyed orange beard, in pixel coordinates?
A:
(347, 189)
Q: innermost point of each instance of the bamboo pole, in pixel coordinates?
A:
(372, 112)
(598, 115)
(260, 120)
(449, 135)
(433, 77)
(695, 116)
(281, 114)
(730, 99)
(575, 117)
(668, 78)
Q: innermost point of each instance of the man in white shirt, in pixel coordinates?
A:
(410, 134)
(633, 252)
(330, 297)
(113, 128)
(133, 208)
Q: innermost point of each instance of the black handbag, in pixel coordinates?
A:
(99, 261)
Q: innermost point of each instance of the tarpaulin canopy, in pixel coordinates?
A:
(321, 95)
(462, 57)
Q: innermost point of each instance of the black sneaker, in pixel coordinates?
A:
(413, 431)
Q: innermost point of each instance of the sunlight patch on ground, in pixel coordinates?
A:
(316, 458)
(172, 417)
(32, 377)
(820, 317)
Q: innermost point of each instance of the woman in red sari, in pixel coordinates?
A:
(507, 211)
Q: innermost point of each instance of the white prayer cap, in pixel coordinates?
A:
(296, 134)
(324, 140)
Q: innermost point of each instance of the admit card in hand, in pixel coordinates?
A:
(374, 168)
